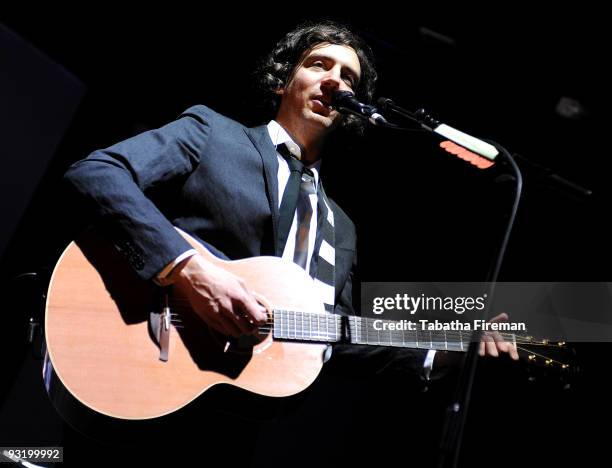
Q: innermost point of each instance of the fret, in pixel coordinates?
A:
(319, 327)
(355, 334)
(331, 319)
(363, 327)
(293, 330)
(371, 325)
(292, 322)
(287, 327)
(286, 324)
(396, 337)
(299, 335)
(364, 339)
(310, 326)
(302, 326)
(370, 332)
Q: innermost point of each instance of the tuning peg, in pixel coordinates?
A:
(532, 357)
(561, 343)
(549, 362)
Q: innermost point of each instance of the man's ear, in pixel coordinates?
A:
(279, 91)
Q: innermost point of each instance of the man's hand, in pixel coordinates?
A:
(492, 343)
(220, 298)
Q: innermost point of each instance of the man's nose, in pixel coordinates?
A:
(332, 80)
(330, 84)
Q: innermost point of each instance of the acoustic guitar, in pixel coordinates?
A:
(127, 349)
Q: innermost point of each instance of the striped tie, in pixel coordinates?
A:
(304, 216)
(323, 269)
(300, 186)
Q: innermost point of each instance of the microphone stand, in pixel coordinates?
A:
(457, 411)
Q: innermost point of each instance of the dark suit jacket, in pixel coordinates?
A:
(205, 174)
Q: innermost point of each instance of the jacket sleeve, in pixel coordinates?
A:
(111, 185)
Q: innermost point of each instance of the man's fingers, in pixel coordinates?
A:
(488, 345)
(502, 345)
(253, 309)
(491, 348)
(493, 343)
(514, 352)
(503, 317)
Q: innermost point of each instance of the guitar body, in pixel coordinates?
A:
(102, 350)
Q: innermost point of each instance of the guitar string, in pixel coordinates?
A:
(516, 338)
(452, 336)
(332, 336)
(315, 335)
(438, 340)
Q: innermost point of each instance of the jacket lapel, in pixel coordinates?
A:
(261, 140)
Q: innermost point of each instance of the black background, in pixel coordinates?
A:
(421, 214)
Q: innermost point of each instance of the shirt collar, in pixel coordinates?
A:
(279, 136)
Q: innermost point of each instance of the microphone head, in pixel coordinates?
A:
(341, 97)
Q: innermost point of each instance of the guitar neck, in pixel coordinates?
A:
(369, 331)
(331, 328)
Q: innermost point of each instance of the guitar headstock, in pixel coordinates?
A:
(548, 359)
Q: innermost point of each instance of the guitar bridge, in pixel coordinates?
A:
(160, 325)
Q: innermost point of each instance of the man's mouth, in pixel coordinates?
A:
(323, 102)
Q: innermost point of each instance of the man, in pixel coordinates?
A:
(225, 183)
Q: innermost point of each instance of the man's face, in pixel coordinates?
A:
(307, 97)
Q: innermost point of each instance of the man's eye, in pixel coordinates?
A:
(317, 64)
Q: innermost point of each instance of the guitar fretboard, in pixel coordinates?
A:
(307, 326)
(328, 328)
(363, 330)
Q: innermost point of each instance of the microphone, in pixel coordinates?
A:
(427, 122)
(346, 103)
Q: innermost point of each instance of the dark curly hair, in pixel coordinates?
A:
(275, 70)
